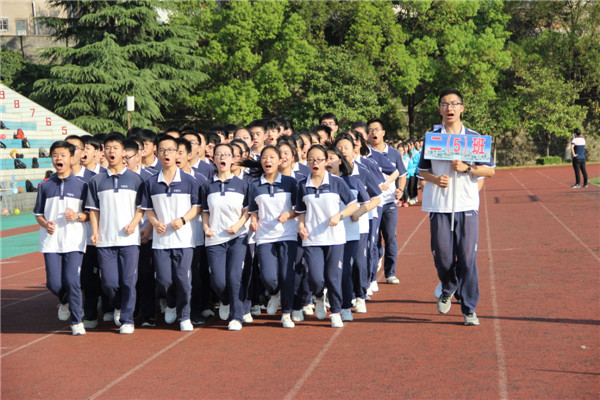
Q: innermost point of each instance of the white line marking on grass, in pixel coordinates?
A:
(559, 221)
(141, 365)
(25, 299)
(22, 273)
(292, 393)
(500, 358)
(29, 344)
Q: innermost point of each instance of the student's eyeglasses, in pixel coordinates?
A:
(223, 155)
(167, 151)
(315, 160)
(375, 130)
(450, 105)
(128, 158)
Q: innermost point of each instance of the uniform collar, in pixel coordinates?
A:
(325, 180)
(216, 178)
(109, 172)
(462, 129)
(264, 181)
(177, 178)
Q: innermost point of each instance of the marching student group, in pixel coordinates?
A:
(239, 219)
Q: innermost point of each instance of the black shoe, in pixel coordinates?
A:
(197, 321)
(149, 322)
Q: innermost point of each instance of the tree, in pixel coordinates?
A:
(118, 49)
(549, 107)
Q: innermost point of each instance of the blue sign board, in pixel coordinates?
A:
(443, 146)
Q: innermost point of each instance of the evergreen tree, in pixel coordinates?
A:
(117, 49)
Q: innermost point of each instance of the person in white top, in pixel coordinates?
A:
(454, 248)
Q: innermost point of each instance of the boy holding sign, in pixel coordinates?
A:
(452, 199)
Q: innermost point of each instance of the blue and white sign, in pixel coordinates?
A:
(444, 146)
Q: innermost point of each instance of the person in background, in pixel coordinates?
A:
(578, 153)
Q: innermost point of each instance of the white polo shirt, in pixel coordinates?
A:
(270, 201)
(54, 196)
(225, 201)
(117, 197)
(170, 202)
(320, 204)
(439, 200)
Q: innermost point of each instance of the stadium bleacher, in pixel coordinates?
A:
(41, 128)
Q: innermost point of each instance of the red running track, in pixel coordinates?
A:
(539, 337)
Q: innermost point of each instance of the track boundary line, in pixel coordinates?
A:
(558, 220)
(292, 393)
(409, 238)
(22, 273)
(25, 299)
(500, 356)
(29, 344)
(140, 366)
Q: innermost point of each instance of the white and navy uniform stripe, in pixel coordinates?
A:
(63, 250)
(226, 202)
(117, 197)
(324, 247)
(173, 250)
(276, 242)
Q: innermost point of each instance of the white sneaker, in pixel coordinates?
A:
(308, 310)
(346, 315)
(320, 309)
(170, 315)
(90, 324)
(186, 326)
(78, 329)
(163, 304)
(255, 310)
(117, 317)
(63, 312)
(108, 317)
(207, 313)
(374, 286)
(297, 315)
(353, 302)
(392, 280)
(234, 325)
(361, 306)
(126, 329)
(471, 319)
(286, 321)
(273, 304)
(370, 292)
(336, 321)
(224, 311)
(247, 318)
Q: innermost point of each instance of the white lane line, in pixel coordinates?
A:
(22, 273)
(25, 299)
(140, 366)
(409, 238)
(292, 393)
(558, 220)
(500, 358)
(29, 344)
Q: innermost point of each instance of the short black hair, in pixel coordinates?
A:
(577, 132)
(271, 125)
(116, 137)
(182, 141)
(345, 169)
(148, 136)
(448, 91)
(75, 137)
(212, 137)
(257, 123)
(359, 124)
(134, 131)
(244, 145)
(92, 141)
(328, 116)
(165, 137)
(374, 120)
(192, 133)
(101, 137)
(131, 144)
(63, 144)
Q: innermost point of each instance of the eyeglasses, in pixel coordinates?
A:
(315, 160)
(451, 105)
(375, 130)
(167, 151)
(128, 158)
(223, 155)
